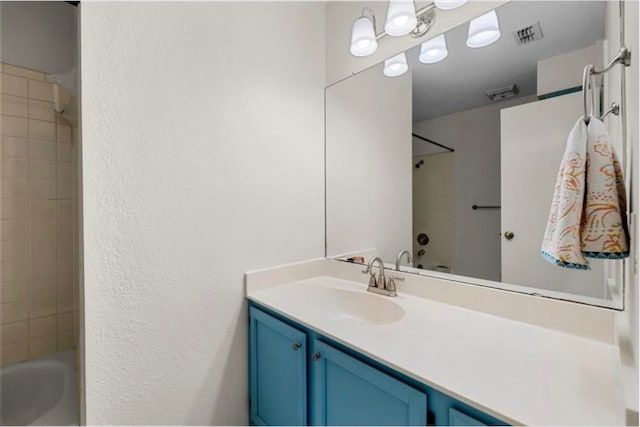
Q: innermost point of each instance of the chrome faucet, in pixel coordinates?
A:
(399, 258)
(381, 281)
(379, 285)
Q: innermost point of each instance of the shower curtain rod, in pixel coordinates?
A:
(433, 142)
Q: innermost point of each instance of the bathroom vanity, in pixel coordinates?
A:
(324, 351)
(301, 377)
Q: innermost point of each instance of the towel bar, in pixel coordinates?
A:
(623, 57)
(614, 109)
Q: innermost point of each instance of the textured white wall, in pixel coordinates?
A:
(202, 159)
(369, 179)
(40, 35)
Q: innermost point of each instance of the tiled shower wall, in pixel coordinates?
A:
(38, 288)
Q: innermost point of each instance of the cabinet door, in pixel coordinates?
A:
(457, 418)
(347, 391)
(278, 375)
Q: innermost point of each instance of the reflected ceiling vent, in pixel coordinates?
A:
(503, 92)
(528, 34)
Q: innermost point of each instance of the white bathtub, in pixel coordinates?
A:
(40, 392)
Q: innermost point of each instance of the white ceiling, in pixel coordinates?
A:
(460, 81)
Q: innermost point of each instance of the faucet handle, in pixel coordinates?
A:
(391, 285)
(373, 282)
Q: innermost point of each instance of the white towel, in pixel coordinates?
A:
(588, 209)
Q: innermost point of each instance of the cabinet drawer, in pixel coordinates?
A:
(347, 391)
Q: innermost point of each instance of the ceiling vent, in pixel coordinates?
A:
(502, 92)
(528, 34)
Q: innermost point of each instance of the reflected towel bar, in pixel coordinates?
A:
(474, 207)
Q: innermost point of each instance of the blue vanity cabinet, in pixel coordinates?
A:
(300, 377)
(346, 391)
(278, 371)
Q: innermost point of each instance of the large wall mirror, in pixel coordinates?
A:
(457, 160)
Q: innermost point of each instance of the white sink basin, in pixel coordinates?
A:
(357, 306)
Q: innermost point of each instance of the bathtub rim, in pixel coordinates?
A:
(64, 361)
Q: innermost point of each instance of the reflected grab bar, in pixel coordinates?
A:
(474, 207)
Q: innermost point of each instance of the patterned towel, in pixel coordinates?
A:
(604, 233)
(588, 209)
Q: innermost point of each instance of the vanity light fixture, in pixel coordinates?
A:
(401, 18)
(396, 65)
(363, 35)
(449, 4)
(434, 50)
(484, 30)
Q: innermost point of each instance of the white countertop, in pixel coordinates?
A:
(518, 372)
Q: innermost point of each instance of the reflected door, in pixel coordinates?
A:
(533, 140)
